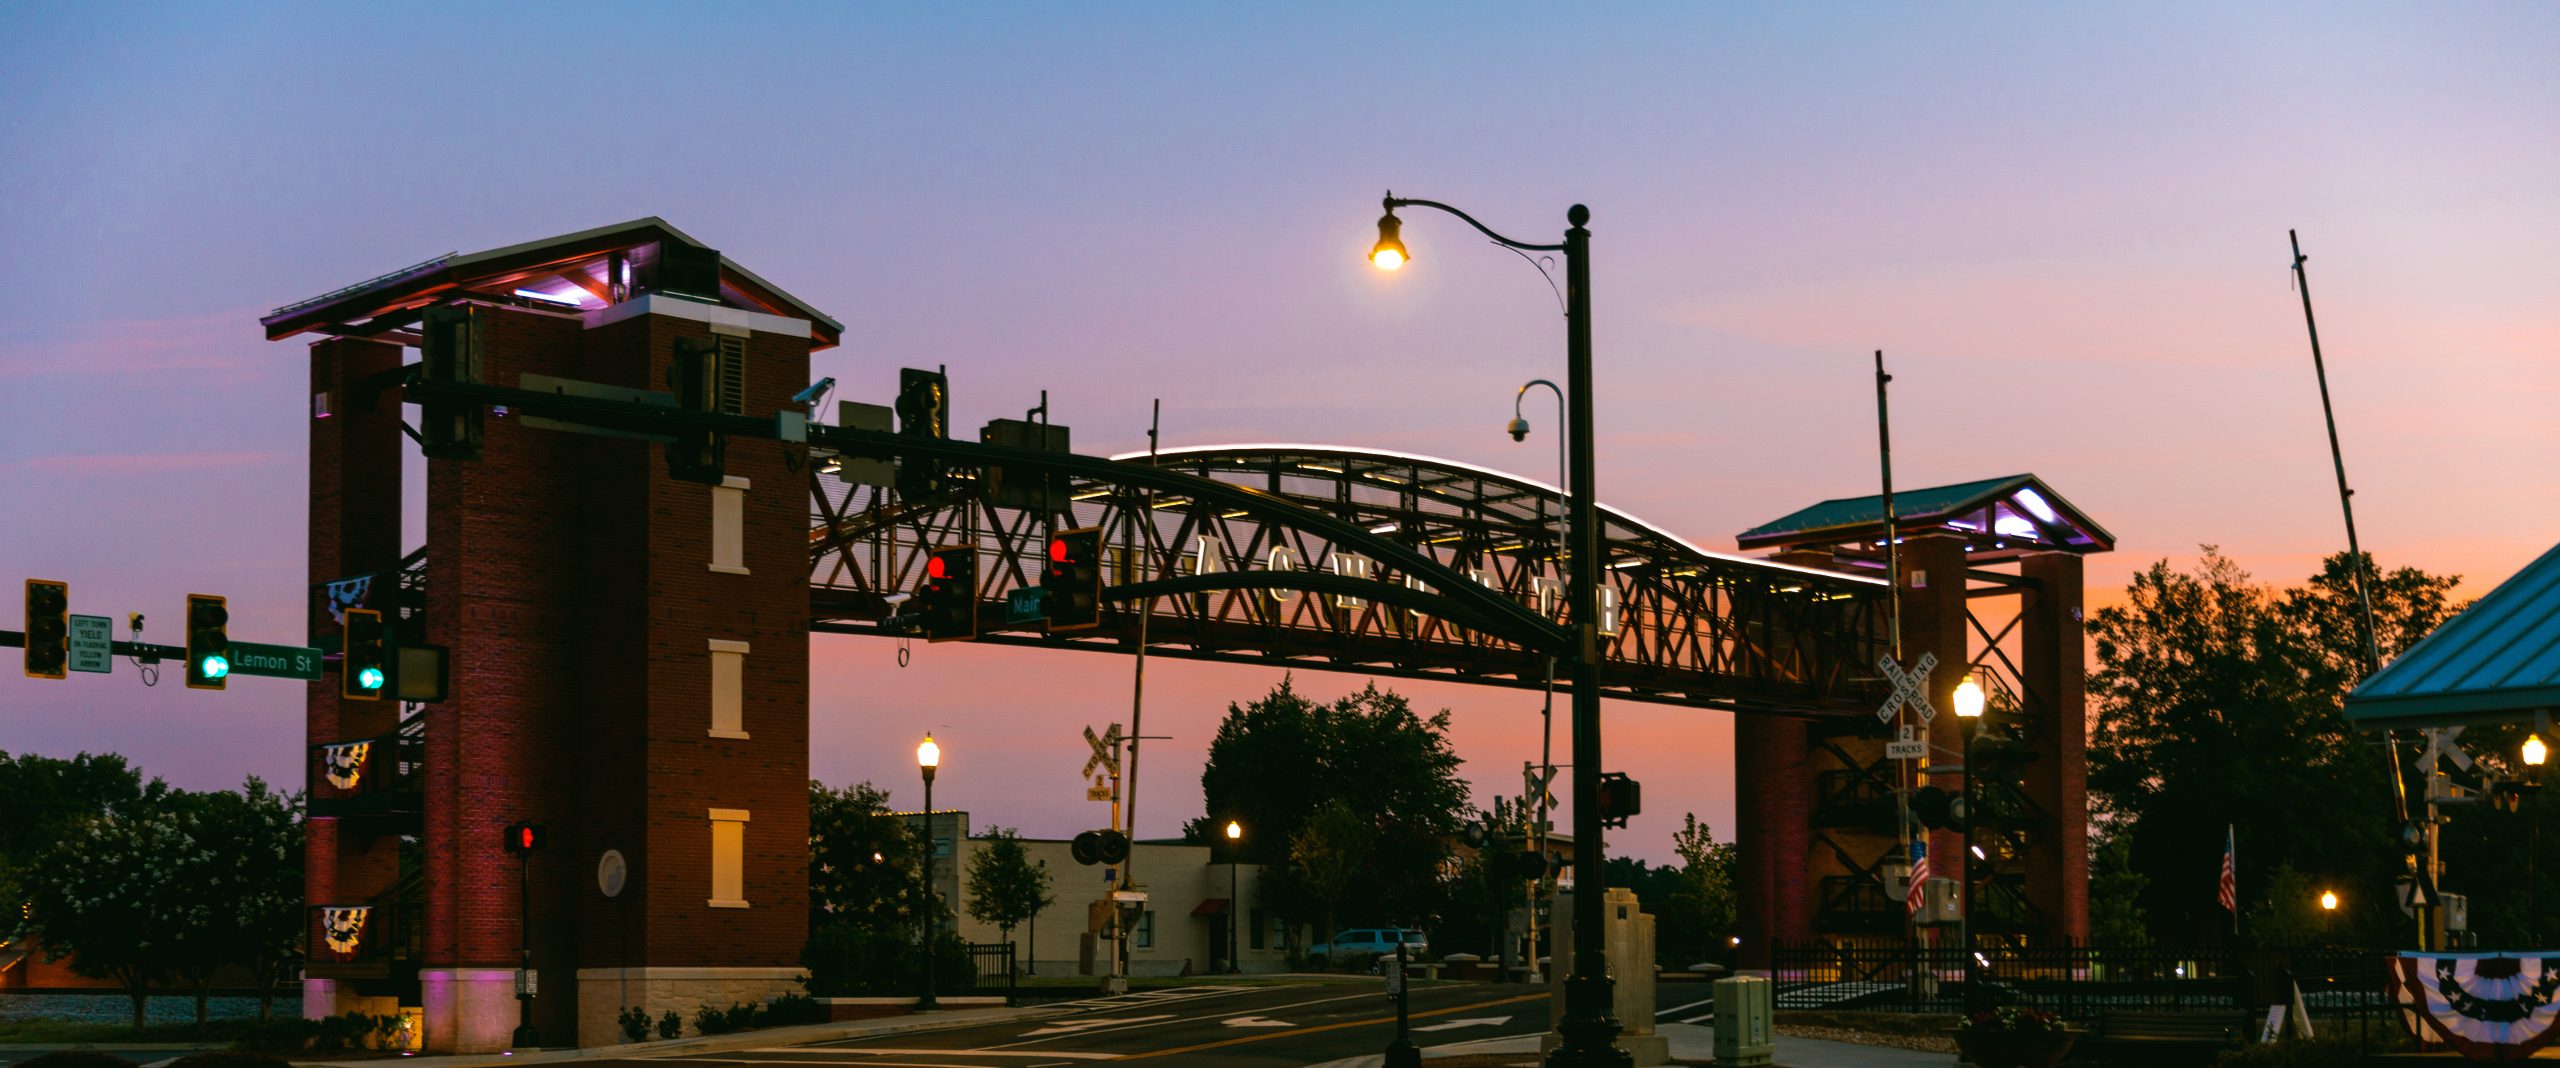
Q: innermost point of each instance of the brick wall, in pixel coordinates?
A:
(355, 474)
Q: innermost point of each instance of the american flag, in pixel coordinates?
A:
(1919, 876)
(2229, 892)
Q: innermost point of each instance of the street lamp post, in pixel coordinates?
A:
(1589, 1028)
(1968, 702)
(1235, 904)
(2535, 753)
(929, 758)
(1519, 430)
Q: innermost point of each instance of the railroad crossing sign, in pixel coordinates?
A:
(1908, 746)
(1106, 750)
(1909, 687)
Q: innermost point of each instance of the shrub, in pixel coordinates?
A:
(847, 960)
(711, 1021)
(2028, 1020)
(670, 1025)
(76, 1058)
(792, 1009)
(635, 1023)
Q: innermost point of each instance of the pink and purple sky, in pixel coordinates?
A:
(2065, 226)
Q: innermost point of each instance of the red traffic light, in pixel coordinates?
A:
(1058, 550)
(524, 837)
(934, 569)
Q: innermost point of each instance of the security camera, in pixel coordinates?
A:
(816, 390)
(1519, 429)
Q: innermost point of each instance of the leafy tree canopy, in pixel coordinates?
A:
(47, 797)
(1005, 888)
(865, 864)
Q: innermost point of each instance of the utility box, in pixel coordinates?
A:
(1941, 904)
(1628, 940)
(1743, 1014)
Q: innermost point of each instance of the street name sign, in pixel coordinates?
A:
(275, 661)
(93, 644)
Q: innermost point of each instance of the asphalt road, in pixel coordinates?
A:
(1289, 1025)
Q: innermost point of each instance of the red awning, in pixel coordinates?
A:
(1211, 907)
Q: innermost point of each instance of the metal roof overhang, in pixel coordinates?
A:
(2496, 662)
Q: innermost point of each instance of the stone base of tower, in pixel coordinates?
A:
(470, 1010)
(604, 992)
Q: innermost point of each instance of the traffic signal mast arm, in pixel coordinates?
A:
(145, 651)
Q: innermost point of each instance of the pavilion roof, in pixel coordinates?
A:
(2001, 517)
(2496, 661)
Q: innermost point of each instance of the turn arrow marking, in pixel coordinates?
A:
(1487, 1021)
(1258, 1021)
(1087, 1025)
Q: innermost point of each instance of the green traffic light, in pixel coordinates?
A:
(370, 678)
(215, 666)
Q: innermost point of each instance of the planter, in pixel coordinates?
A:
(2014, 1049)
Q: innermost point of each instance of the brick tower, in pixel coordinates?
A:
(1990, 584)
(628, 653)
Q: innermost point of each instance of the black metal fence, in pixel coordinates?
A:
(994, 965)
(2339, 986)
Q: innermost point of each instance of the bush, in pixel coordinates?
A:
(670, 1025)
(711, 1021)
(76, 1058)
(846, 960)
(792, 1009)
(635, 1023)
(355, 1030)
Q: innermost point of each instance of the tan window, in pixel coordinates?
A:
(728, 858)
(728, 525)
(728, 689)
(729, 372)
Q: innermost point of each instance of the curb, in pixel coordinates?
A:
(796, 1035)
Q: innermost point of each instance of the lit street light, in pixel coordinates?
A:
(2535, 753)
(2328, 901)
(928, 758)
(1589, 1027)
(1968, 705)
(1235, 904)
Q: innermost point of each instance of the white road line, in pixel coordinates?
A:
(1682, 1008)
(1156, 1022)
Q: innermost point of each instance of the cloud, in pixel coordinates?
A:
(145, 463)
(223, 341)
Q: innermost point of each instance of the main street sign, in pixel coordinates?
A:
(92, 644)
(275, 661)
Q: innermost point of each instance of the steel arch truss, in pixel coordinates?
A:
(1337, 559)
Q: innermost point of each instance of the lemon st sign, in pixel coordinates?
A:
(275, 661)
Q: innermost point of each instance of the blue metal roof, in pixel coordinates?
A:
(2011, 515)
(2497, 661)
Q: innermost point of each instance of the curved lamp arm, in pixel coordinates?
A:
(1393, 202)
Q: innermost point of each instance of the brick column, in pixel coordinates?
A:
(1755, 918)
(1933, 621)
(354, 528)
(2055, 663)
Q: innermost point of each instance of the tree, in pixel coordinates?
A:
(865, 865)
(46, 798)
(247, 863)
(1701, 913)
(2216, 706)
(1278, 762)
(114, 896)
(1004, 887)
(2115, 894)
(1330, 853)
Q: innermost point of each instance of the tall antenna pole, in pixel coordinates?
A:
(2424, 900)
(1892, 543)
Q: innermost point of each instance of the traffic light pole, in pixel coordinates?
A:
(526, 1037)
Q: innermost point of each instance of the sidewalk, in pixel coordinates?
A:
(802, 1034)
(1694, 1042)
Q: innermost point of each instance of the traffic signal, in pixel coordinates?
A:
(449, 354)
(1999, 756)
(696, 455)
(1073, 580)
(48, 629)
(208, 642)
(924, 411)
(948, 599)
(1938, 809)
(1620, 798)
(525, 838)
(1099, 847)
(364, 663)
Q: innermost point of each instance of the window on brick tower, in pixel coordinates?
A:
(728, 688)
(728, 858)
(732, 374)
(728, 525)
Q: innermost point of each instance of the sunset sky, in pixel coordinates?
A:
(2064, 224)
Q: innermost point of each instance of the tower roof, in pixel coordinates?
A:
(2001, 517)
(2496, 662)
(567, 272)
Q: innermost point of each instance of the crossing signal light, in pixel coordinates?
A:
(208, 642)
(696, 455)
(48, 629)
(1938, 809)
(948, 598)
(1620, 798)
(1524, 866)
(1073, 580)
(1099, 847)
(526, 838)
(449, 354)
(364, 665)
(924, 411)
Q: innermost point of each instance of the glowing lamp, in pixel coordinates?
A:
(2534, 751)
(1389, 252)
(1235, 831)
(2328, 901)
(928, 755)
(1969, 698)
